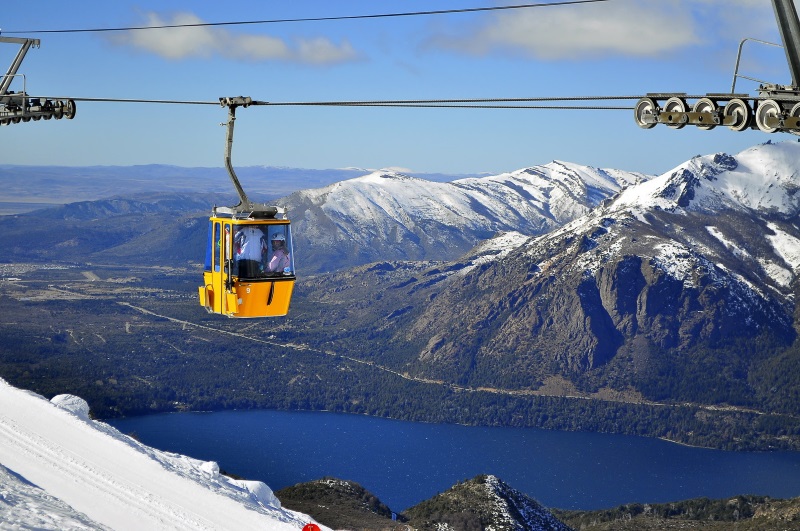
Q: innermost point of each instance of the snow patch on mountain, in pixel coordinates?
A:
(676, 260)
(512, 510)
(557, 191)
(390, 198)
(731, 246)
(493, 249)
(766, 178)
(782, 276)
(786, 245)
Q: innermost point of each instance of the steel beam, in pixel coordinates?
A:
(789, 26)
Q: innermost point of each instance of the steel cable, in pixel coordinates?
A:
(471, 103)
(313, 19)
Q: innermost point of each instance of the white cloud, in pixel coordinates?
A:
(207, 42)
(634, 28)
(624, 28)
(322, 51)
(253, 47)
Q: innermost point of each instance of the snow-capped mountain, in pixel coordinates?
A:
(733, 217)
(388, 215)
(680, 288)
(704, 252)
(61, 470)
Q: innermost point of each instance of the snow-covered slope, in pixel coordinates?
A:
(739, 213)
(764, 179)
(387, 215)
(61, 470)
(528, 200)
(738, 208)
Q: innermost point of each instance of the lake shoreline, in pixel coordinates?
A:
(386, 456)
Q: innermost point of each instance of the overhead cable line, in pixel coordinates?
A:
(136, 100)
(482, 103)
(473, 103)
(313, 19)
(485, 106)
(24, 107)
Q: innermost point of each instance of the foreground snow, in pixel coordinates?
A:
(61, 470)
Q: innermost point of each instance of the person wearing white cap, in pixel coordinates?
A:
(280, 260)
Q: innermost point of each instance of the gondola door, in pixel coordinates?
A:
(216, 293)
(225, 281)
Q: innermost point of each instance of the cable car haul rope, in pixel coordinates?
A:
(472, 103)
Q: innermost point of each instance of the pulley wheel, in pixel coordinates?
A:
(69, 110)
(795, 113)
(644, 107)
(705, 105)
(674, 106)
(767, 108)
(739, 109)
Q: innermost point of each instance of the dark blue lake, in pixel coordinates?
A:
(404, 463)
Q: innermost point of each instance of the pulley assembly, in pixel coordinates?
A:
(775, 109)
(16, 107)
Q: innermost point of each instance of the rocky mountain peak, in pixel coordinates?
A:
(762, 178)
(484, 502)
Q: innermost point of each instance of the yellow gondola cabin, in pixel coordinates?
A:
(249, 266)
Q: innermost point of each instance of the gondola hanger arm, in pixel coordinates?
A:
(245, 208)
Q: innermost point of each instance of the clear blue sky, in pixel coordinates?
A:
(617, 47)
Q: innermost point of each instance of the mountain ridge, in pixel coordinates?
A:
(388, 215)
(28, 186)
(381, 215)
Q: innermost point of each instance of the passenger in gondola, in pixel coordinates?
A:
(250, 247)
(280, 260)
